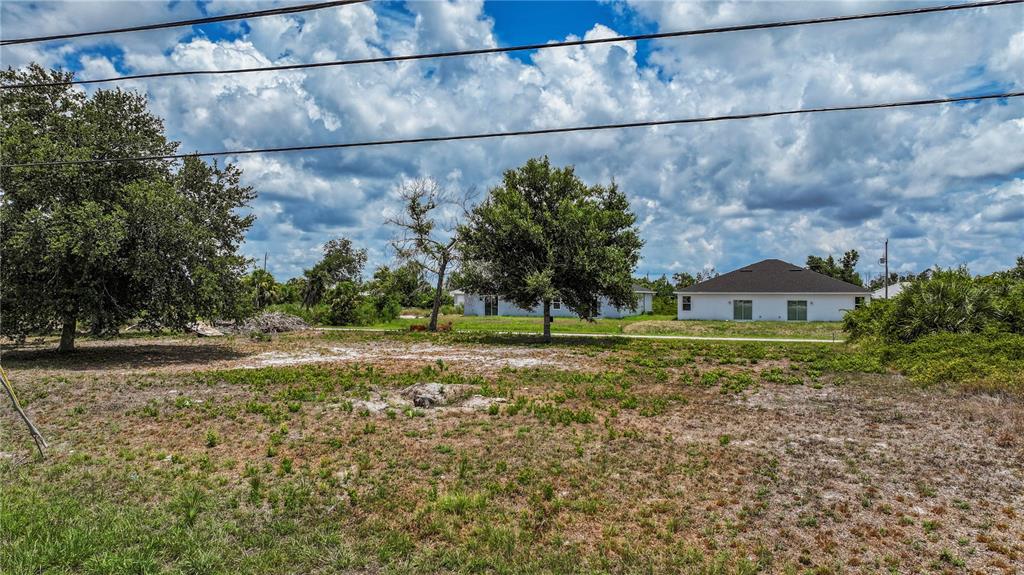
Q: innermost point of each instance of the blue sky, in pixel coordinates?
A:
(945, 183)
(530, 22)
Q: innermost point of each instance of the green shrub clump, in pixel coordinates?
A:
(949, 301)
(980, 362)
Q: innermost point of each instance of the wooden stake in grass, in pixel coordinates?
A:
(36, 436)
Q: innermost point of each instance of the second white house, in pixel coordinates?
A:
(770, 290)
(493, 305)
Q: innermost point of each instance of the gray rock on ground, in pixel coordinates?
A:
(429, 395)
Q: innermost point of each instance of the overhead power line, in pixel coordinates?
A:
(489, 135)
(192, 22)
(525, 47)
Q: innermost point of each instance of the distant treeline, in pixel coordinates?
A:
(334, 292)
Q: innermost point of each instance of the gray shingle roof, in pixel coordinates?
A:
(773, 276)
(637, 288)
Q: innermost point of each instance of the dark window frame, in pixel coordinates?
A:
(687, 303)
(793, 308)
(745, 305)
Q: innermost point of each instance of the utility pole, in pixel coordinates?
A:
(885, 260)
(264, 261)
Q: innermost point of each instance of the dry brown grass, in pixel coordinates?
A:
(845, 473)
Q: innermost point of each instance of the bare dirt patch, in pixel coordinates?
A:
(126, 356)
(479, 358)
(868, 471)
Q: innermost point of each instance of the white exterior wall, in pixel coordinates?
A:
(766, 307)
(644, 304)
(894, 290)
(475, 306)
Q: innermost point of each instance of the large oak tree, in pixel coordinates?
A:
(544, 235)
(153, 242)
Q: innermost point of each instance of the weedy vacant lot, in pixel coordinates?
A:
(637, 325)
(308, 454)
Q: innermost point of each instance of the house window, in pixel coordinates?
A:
(742, 309)
(796, 310)
(686, 303)
(858, 301)
(556, 304)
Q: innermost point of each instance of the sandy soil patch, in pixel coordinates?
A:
(123, 357)
(860, 464)
(484, 357)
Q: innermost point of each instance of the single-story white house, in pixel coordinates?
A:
(494, 305)
(459, 296)
(894, 290)
(770, 290)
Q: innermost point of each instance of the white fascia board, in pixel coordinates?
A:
(857, 293)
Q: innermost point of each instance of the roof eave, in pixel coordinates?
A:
(772, 292)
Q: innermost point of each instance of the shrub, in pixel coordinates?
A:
(365, 313)
(425, 299)
(385, 308)
(343, 301)
(664, 305)
(1010, 305)
(984, 361)
(950, 301)
(868, 320)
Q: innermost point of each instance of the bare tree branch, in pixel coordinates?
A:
(426, 231)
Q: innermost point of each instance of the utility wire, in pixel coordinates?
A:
(192, 22)
(524, 47)
(489, 135)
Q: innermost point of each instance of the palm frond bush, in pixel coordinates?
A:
(1010, 305)
(869, 320)
(949, 301)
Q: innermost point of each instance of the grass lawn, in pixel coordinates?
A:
(643, 324)
(305, 454)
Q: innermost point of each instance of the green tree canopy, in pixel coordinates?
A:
(845, 269)
(683, 279)
(342, 262)
(896, 277)
(405, 284)
(150, 241)
(543, 235)
(263, 288)
(1017, 271)
(664, 301)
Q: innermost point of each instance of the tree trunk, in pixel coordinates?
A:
(547, 321)
(437, 295)
(67, 334)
